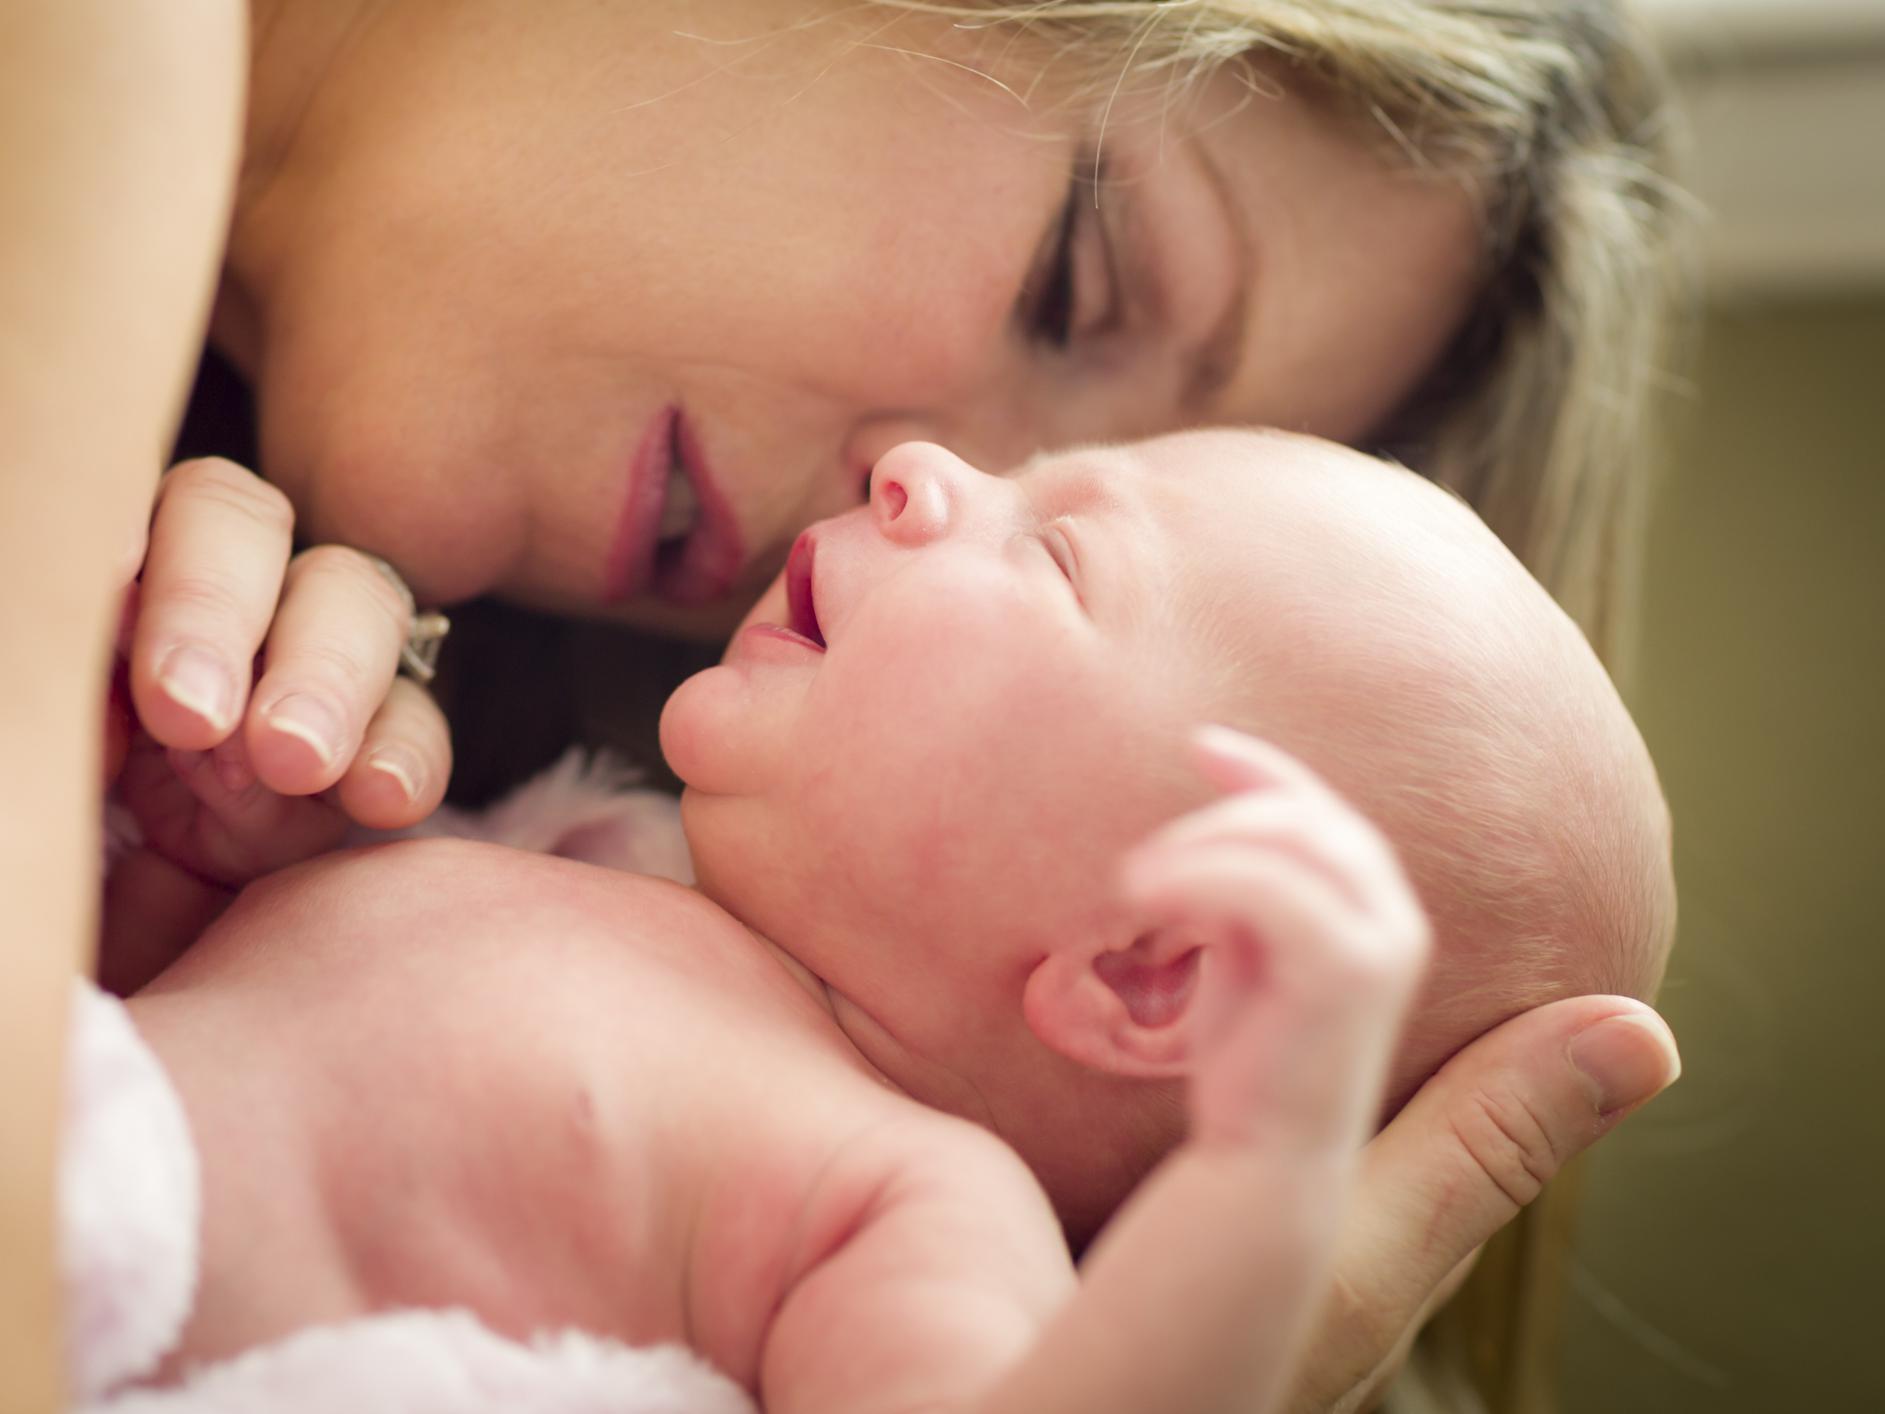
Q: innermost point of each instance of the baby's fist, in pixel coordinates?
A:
(1312, 945)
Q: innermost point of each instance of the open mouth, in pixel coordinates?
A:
(677, 536)
(698, 551)
(801, 604)
(680, 505)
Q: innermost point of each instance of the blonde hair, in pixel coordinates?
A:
(1537, 415)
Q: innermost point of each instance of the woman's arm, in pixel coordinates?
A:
(119, 129)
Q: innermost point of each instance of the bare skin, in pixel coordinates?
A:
(560, 1097)
(1434, 1186)
(511, 1111)
(442, 1107)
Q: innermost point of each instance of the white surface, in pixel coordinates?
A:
(1785, 102)
(1789, 163)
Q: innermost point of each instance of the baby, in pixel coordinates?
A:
(975, 954)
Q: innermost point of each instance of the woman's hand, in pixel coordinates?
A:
(228, 775)
(1473, 1147)
(327, 712)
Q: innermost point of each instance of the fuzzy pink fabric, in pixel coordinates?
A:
(128, 1201)
(583, 807)
(442, 1362)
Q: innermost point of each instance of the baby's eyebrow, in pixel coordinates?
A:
(1087, 489)
(1096, 495)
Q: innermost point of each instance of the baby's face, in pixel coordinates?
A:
(962, 702)
(926, 751)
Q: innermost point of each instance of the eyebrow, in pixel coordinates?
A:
(1088, 496)
(1087, 490)
(1217, 359)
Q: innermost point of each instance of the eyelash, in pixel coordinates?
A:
(1050, 297)
(1060, 550)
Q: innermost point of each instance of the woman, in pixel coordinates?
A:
(593, 307)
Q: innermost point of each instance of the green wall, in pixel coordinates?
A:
(1731, 1244)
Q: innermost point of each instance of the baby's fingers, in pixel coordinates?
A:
(328, 666)
(242, 829)
(1298, 998)
(400, 774)
(1322, 836)
(219, 544)
(1284, 928)
(1232, 761)
(1277, 802)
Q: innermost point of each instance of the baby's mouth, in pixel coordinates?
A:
(801, 610)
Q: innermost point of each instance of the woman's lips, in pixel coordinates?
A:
(631, 558)
(704, 566)
(696, 567)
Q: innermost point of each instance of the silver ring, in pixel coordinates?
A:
(425, 630)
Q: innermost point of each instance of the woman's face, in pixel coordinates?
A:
(598, 305)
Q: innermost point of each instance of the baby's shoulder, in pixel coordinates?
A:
(439, 932)
(468, 894)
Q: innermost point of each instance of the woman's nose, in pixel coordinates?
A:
(915, 492)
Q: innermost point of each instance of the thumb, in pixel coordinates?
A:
(1473, 1147)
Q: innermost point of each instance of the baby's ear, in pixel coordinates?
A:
(1125, 1011)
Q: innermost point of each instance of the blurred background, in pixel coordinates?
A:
(1727, 1245)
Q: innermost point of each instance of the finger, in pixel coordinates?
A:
(1484, 1135)
(1298, 1002)
(1232, 760)
(218, 545)
(400, 775)
(1317, 953)
(1259, 890)
(330, 659)
(1320, 834)
(1237, 762)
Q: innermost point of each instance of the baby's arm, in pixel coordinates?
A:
(951, 1294)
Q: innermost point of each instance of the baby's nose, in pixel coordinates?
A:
(914, 491)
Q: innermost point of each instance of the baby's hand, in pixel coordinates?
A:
(206, 826)
(1311, 946)
(207, 814)
(220, 586)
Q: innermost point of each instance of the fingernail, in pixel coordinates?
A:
(401, 765)
(309, 718)
(1626, 1059)
(196, 678)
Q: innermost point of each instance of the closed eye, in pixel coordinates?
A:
(1071, 293)
(1062, 551)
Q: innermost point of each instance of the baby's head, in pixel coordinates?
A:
(922, 759)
